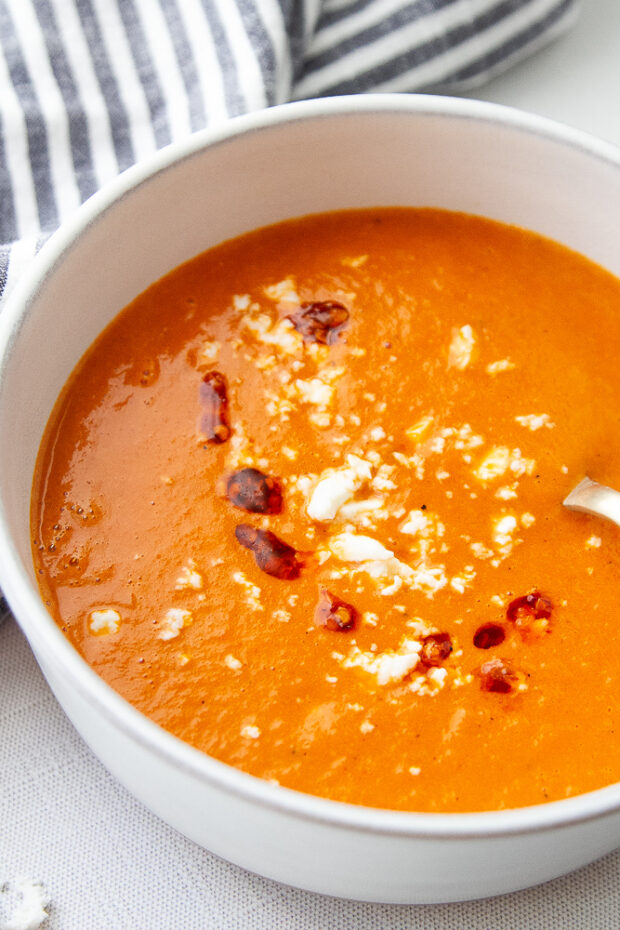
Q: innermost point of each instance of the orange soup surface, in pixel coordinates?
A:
(301, 505)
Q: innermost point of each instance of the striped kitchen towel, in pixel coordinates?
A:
(88, 87)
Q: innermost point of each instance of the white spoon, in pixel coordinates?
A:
(594, 498)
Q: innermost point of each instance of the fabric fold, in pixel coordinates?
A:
(89, 87)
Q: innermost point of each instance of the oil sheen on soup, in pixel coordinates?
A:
(301, 505)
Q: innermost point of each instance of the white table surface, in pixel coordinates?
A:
(108, 864)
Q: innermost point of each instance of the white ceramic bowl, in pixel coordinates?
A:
(289, 161)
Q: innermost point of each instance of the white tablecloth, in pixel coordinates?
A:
(109, 864)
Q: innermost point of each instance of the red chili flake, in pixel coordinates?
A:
(436, 647)
(488, 635)
(530, 613)
(214, 398)
(320, 321)
(272, 555)
(251, 490)
(333, 613)
(498, 676)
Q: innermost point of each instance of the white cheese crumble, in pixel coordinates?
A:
(281, 335)
(500, 460)
(362, 509)
(29, 910)
(249, 731)
(417, 522)
(241, 302)
(209, 351)
(103, 622)
(533, 421)
(232, 663)
(285, 290)
(366, 727)
(425, 578)
(593, 542)
(461, 347)
(174, 620)
(336, 487)
(353, 547)
(386, 667)
(382, 480)
(503, 530)
(418, 429)
(282, 616)
(437, 676)
(314, 391)
(463, 580)
(252, 591)
(356, 261)
(481, 551)
(507, 491)
(504, 364)
(189, 577)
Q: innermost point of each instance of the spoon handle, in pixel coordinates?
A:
(594, 498)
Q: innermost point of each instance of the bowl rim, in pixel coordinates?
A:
(57, 652)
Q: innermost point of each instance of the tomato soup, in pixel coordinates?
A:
(300, 504)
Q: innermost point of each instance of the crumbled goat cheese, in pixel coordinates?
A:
(241, 302)
(103, 622)
(352, 547)
(535, 421)
(416, 522)
(387, 667)
(252, 591)
(209, 351)
(437, 676)
(481, 551)
(500, 460)
(231, 662)
(355, 261)
(282, 616)
(461, 347)
(463, 579)
(507, 492)
(282, 334)
(174, 620)
(337, 487)
(353, 510)
(284, 290)
(423, 577)
(593, 542)
(314, 391)
(418, 429)
(189, 577)
(250, 732)
(503, 530)
(503, 364)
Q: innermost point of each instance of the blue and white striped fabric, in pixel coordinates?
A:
(88, 87)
